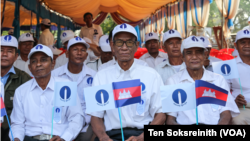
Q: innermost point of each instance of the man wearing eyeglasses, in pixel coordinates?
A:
(134, 116)
(25, 44)
(153, 57)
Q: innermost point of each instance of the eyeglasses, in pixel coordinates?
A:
(129, 43)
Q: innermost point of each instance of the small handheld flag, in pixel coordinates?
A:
(65, 93)
(228, 69)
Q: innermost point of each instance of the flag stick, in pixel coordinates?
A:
(241, 91)
(120, 116)
(10, 127)
(196, 116)
(52, 122)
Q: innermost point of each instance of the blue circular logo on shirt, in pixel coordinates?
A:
(179, 96)
(225, 69)
(57, 110)
(142, 102)
(143, 87)
(65, 93)
(90, 80)
(102, 97)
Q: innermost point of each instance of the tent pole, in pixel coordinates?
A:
(222, 24)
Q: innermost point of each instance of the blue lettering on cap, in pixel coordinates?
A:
(246, 31)
(78, 38)
(202, 39)
(194, 39)
(64, 34)
(7, 38)
(171, 31)
(150, 34)
(27, 35)
(39, 47)
(123, 26)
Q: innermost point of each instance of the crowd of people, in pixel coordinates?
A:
(93, 59)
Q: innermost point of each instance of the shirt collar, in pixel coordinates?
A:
(49, 85)
(166, 64)
(65, 70)
(206, 76)
(12, 70)
(119, 70)
(238, 60)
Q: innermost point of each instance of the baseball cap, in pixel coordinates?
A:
(151, 35)
(26, 37)
(171, 34)
(104, 43)
(46, 22)
(205, 42)
(75, 41)
(67, 35)
(54, 50)
(191, 42)
(87, 40)
(242, 34)
(11, 31)
(124, 28)
(41, 48)
(9, 40)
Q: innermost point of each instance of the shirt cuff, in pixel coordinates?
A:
(67, 136)
(174, 114)
(19, 136)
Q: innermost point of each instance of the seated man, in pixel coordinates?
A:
(31, 117)
(125, 45)
(76, 71)
(153, 57)
(242, 43)
(194, 54)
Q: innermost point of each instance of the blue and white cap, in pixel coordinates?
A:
(124, 28)
(242, 34)
(26, 37)
(205, 42)
(171, 34)
(9, 40)
(67, 35)
(41, 48)
(151, 35)
(191, 42)
(77, 40)
(104, 43)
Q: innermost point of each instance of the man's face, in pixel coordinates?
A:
(106, 56)
(40, 65)
(88, 19)
(8, 56)
(77, 53)
(194, 58)
(208, 52)
(25, 47)
(173, 47)
(243, 46)
(152, 46)
(123, 52)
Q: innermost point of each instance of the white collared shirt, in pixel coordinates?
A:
(150, 94)
(234, 84)
(89, 33)
(113, 62)
(153, 62)
(32, 112)
(22, 65)
(85, 80)
(46, 38)
(166, 70)
(207, 113)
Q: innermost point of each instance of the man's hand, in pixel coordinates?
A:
(16, 139)
(136, 138)
(206, 63)
(56, 138)
(240, 101)
(105, 139)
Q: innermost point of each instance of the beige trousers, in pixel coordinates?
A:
(244, 117)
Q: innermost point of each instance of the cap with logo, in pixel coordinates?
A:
(41, 48)
(26, 37)
(104, 43)
(54, 50)
(46, 22)
(75, 41)
(151, 35)
(124, 28)
(171, 34)
(191, 42)
(242, 34)
(205, 42)
(11, 31)
(67, 35)
(9, 40)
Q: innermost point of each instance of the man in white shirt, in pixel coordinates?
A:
(46, 38)
(76, 71)
(247, 27)
(242, 44)
(25, 44)
(172, 45)
(33, 104)
(125, 45)
(153, 57)
(194, 55)
(106, 54)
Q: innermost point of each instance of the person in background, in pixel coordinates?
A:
(153, 57)
(11, 78)
(11, 32)
(56, 52)
(25, 44)
(46, 38)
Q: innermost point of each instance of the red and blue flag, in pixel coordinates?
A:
(127, 92)
(207, 93)
(2, 107)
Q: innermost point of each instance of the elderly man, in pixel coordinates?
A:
(153, 57)
(172, 45)
(46, 38)
(33, 104)
(193, 52)
(125, 45)
(242, 44)
(11, 78)
(25, 44)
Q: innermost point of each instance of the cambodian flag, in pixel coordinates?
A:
(207, 93)
(127, 92)
(2, 107)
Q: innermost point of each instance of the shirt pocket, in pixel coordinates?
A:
(141, 110)
(213, 114)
